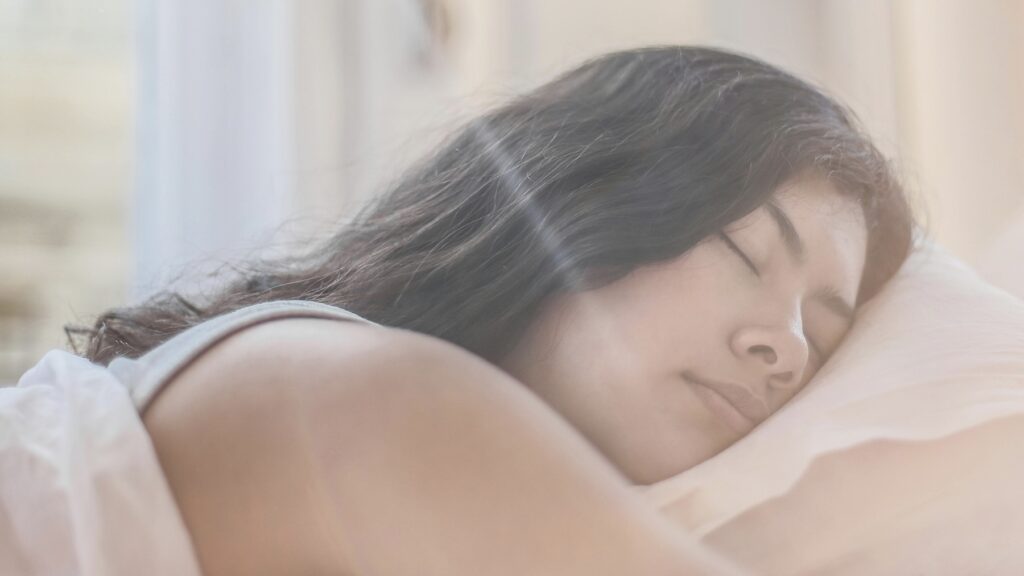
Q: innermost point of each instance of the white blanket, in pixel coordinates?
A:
(81, 490)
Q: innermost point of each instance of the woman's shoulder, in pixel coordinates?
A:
(300, 352)
(236, 432)
(318, 347)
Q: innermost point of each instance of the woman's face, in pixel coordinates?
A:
(671, 364)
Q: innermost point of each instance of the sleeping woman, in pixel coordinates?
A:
(600, 284)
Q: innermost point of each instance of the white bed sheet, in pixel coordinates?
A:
(81, 490)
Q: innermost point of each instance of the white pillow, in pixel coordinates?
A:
(999, 263)
(905, 455)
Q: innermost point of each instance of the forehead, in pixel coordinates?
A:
(819, 211)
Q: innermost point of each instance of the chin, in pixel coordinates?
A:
(655, 471)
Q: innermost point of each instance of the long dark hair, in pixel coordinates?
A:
(630, 159)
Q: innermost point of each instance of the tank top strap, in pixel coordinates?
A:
(146, 375)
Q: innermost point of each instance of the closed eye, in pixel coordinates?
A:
(732, 246)
(822, 358)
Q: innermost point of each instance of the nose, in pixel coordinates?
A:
(775, 354)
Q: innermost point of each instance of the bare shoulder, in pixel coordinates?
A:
(314, 350)
(235, 432)
(309, 356)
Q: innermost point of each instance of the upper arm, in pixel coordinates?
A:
(232, 433)
(250, 433)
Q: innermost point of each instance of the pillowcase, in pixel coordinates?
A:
(904, 455)
(999, 263)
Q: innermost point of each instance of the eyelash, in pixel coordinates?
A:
(732, 246)
(750, 264)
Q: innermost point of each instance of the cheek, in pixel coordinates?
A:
(656, 321)
(676, 312)
(609, 361)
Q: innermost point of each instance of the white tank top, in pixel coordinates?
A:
(145, 376)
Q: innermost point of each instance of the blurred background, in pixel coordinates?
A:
(143, 143)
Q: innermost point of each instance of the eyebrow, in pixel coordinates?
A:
(827, 295)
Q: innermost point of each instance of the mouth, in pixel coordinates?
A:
(733, 404)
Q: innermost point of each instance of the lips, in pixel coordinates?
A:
(734, 403)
